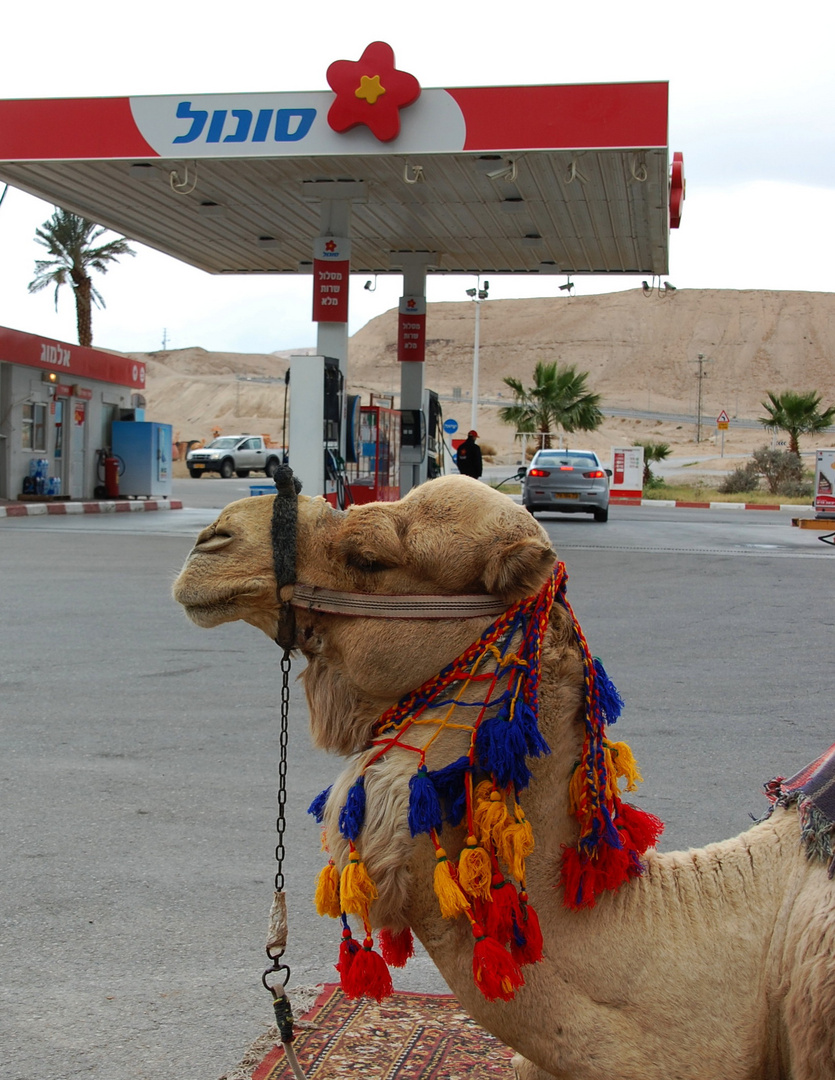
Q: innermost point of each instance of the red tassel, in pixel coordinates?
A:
(642, 829)
(531, 951)
(496, 973)
(368, 975)
(348, 949)
(576, 880)
(396, 948)
(500, 913)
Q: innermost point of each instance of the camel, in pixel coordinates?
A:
(716, 964)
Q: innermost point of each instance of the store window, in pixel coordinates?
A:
(33, 432)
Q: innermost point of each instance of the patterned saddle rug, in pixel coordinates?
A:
(813, 791)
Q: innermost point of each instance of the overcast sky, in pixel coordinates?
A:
(752, 108)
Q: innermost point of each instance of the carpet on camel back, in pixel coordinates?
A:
(406, 1037)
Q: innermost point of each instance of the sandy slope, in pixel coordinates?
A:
(640, 353)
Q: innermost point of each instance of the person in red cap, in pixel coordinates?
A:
(469, 456)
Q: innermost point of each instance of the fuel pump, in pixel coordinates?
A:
(421, 441)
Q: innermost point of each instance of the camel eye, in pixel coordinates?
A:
(366, 564)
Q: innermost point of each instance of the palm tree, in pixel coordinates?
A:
(653, 451)
(70, 241)
(559, 398)
(796, 413)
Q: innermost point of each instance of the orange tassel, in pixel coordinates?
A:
(516, 844)
(474, 870)
(490, 813)
(451, 899)
(327, 891)
(356, 889)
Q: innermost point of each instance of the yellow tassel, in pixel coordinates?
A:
(450, 898)
(327, 891)
(474, 870)
(517, 844)
(625, 764)
(490, 814)
(356, 889)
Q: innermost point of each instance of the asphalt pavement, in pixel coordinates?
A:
(138, 760)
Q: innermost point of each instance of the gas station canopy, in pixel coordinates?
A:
(508, 180)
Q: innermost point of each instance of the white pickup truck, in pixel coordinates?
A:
(238, 454)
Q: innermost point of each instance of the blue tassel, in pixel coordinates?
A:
(611, 703)
(317, 807)
(449, 784)
(610, 833)
(526, 718)
(424, 804)
(500, 746)
(352, 814)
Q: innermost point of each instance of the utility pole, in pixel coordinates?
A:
(477, 296)
(701, 360)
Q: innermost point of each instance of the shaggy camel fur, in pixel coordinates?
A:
(716, 964)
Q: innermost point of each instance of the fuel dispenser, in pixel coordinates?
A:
(421, 439)
(317, 454)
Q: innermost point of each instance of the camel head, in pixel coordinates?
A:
(451, 536)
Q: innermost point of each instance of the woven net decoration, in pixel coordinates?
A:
(490, 692)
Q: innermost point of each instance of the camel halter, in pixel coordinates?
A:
(313, 598)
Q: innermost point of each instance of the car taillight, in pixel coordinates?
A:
(595, 474)
(566, 468)
(538, 472)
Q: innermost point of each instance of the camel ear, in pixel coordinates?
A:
(518, 568)
(368, 539)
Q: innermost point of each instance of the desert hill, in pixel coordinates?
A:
(640, 353)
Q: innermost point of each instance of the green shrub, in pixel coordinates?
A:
(779, 467)
(744, 478)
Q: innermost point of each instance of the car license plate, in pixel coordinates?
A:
(566, 495)
(198, 465)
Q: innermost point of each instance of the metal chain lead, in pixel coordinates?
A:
(281, 796)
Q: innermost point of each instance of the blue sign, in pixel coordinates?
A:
(450, 426)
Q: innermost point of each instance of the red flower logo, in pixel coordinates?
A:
(371, 91)
(330, 246)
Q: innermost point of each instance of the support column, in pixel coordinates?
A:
(413, 395)
(314, 426)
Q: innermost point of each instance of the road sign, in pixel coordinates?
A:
(722, 421)
(450, 426)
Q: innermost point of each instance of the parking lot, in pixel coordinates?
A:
(138, 760)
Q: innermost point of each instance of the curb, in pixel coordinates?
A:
(31, 509)
(713, 505)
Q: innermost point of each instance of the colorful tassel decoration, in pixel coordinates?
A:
(529, 949)
(515, 843)
(317, 807)
(641, 829)
(356, 889)
(490, 813)
(451, 899)
(474, 870)
(504, 736)
(623, 763)
(503, 911)
(352, 814)
(449, 783)
(327, 891)
(609, 700)
(348, 949)
(424, 805)
(368, 975)
(496, 973)
(397, 948)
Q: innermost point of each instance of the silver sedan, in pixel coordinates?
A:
(567, 482)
